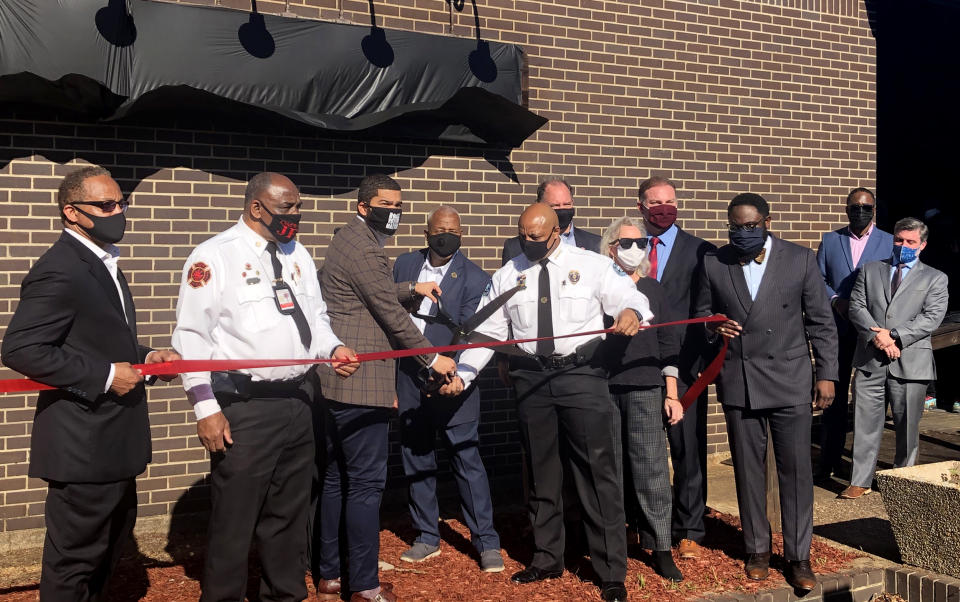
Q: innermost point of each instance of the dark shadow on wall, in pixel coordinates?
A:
(254, 37)
(237, 146)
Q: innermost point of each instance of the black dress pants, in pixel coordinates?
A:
(260, 487)
(575, 405)
(87, 524)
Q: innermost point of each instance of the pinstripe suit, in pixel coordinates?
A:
(364, 305)
(767, 378)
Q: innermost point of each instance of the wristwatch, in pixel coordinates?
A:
(413, 289)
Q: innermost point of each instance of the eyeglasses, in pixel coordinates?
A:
(626, 243)
(106, 206)
(745, 227)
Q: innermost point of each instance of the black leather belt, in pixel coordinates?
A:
(241, 385)
(581, 357)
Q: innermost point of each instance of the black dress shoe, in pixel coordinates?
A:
(757, 566)
(613, 591)
(533, 574)
(799, 574)
(664, 566)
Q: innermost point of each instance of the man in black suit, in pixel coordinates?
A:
(557, 193)
(773, 296)
(75, 329)
(675, 257)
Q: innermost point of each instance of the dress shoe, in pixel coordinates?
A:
(853, 492)
(800, 575)
(385, 595)
(613, 591)
(757, 566)
(491, 561)
(689, 549)
(533, 574)
(664, 566)
(328, 589)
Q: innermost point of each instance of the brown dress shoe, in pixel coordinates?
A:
(800, 575)
(853, 492)
(757, 566)
(385, 595)
(689, 549)
(328, 589)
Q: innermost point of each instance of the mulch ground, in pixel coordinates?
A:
(454, 575)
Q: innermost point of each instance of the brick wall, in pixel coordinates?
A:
(773, 96)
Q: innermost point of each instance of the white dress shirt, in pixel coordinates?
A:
(428, 273)
(753, 271)
(583, 286)
(109, 255)
(227, 310)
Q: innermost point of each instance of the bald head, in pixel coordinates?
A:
(536, 218)
(443, 218)
(272, 200)
(261, 184)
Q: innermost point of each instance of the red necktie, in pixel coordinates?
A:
(654, 241)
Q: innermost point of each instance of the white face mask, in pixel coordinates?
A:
(630, 259)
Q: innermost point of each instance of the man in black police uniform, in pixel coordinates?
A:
(76, 329)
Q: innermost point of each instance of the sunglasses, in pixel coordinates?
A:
(626, 243)
(106, 206)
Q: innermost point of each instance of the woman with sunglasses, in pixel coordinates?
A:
(641, 367)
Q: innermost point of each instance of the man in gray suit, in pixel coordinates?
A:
(773, 295)
(895, 305)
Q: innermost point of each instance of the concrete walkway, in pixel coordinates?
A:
(861, 524)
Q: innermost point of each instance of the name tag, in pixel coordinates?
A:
(284, 298)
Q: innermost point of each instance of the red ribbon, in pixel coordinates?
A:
(21, 385)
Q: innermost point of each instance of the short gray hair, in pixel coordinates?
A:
(441, 209)
(612, 233)
(912, 223)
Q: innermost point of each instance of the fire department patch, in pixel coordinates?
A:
(198, 274)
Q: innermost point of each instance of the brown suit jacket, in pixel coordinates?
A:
(364, 305)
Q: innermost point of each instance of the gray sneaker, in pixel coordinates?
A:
(419, 552)
(491, 561)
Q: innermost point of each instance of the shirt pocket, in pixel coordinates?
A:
(523, 314)
(258, 308)
(575, 303)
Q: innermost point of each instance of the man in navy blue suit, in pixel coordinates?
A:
(462, 283)
(840, 256)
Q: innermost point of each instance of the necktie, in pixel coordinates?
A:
(654, 241)
(757, 259)
(298, 318)
(897, 279)
(544, 312)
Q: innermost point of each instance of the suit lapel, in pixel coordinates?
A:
(678, 251)
(887, 279)
(97, 269)
(774, 263)
(845, 248)
(739, 282)
(872, 249)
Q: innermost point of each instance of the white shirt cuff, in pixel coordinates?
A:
(205, 408)
(467, 374)
(113, 370)
(433, 361)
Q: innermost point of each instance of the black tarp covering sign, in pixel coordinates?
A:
(113, 60)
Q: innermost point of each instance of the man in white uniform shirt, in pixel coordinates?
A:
(252, 293)
(562, 389)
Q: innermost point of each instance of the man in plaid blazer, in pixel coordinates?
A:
(364, 305)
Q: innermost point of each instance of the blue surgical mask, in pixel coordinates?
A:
(748, 243)
(903, 254)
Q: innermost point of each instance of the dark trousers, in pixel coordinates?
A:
(87, 524)
(790, 431)
(833, 421)
(420, 466)
(354, 478)
(260, 488)
(641, 450)
(688, 450)
(574, 405)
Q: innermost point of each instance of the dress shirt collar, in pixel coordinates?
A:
(107, 255)
(669, 235)
(259, 243)
(558, 255)
(440, 270)
(866, 234)
(768, 245)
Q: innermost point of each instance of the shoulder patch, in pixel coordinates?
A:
(486, 290)
(198, 274)
(618, 269)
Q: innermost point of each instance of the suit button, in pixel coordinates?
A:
(769, 331)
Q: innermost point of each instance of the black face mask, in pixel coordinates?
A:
(443, 244)
(535, 250)
(383, 219)
(748, 244)
(860, 216)
(107, 229)
(565, 216)
(283, 227)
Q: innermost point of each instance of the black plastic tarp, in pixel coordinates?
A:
(113, 60)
